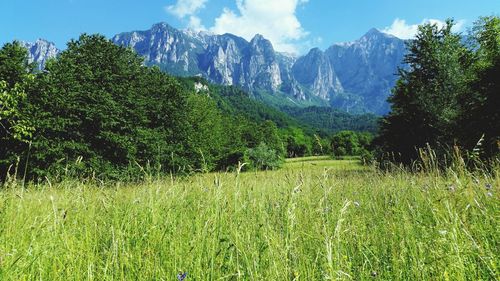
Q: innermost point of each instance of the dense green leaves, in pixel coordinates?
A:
(480, 105)
(15, 126)
(98, 102)
(448, 95)
(97, 111)
(347, 143)
(330, 120)
(263, 157)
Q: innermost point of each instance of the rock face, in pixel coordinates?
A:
(367, 68)
(230, 60)
(315, 72)
(355, 76)
(172, 50)
(40, 51)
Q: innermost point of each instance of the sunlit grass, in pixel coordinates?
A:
(316, 219)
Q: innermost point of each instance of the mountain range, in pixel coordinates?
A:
(355, 76)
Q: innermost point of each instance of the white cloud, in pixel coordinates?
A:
(276, 20)
(401, 29)
(186, 8)
(195, 24)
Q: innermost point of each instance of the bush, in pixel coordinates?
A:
(263, 158)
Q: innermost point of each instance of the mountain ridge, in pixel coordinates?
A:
(354, 76)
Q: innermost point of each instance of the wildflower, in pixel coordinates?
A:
(488, 186)
(181, 276)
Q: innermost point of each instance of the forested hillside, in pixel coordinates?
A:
(97, 111)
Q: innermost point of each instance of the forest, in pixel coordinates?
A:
(97, 111)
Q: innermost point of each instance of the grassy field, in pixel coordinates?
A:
(316, 219)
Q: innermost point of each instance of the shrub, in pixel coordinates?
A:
(263, 158)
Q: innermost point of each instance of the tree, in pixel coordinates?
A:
(271, 137)
(424, 101)
(97, 102)
(14, 65)
(15, 126)
(206, 139)
(298, 144)
(263, 157)
(349, 143)
(480, 111)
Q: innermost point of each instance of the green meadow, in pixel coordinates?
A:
(315, 219)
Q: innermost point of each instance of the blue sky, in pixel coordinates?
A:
(292, 25)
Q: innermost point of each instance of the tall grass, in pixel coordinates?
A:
(313, 220)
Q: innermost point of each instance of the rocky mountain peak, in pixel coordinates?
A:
(162, 27)
(316, 72)
(355, 75)
(40, 51)
(374, 34)
(260, 43)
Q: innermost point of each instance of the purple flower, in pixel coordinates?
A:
(181, 276)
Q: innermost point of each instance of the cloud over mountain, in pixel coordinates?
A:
(402, 30)
(276, 20)
(188, 9)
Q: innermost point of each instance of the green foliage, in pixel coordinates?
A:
(99, 112)
(14, 66)
(480, 106)
(263, 157)
(321, 146)
(206, 134)
(330, 120)
(349, 143)
(13, 124)
(424, 101)
(298, 144)
(97, 102)
(16, 127)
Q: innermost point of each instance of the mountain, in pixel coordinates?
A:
(367, 67)
(355, 76)
(40, 51)
(172, 50)
(315, 73)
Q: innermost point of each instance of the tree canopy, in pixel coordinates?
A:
(448, 94)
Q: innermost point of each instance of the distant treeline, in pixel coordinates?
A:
(97, 111)
(448, 98)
